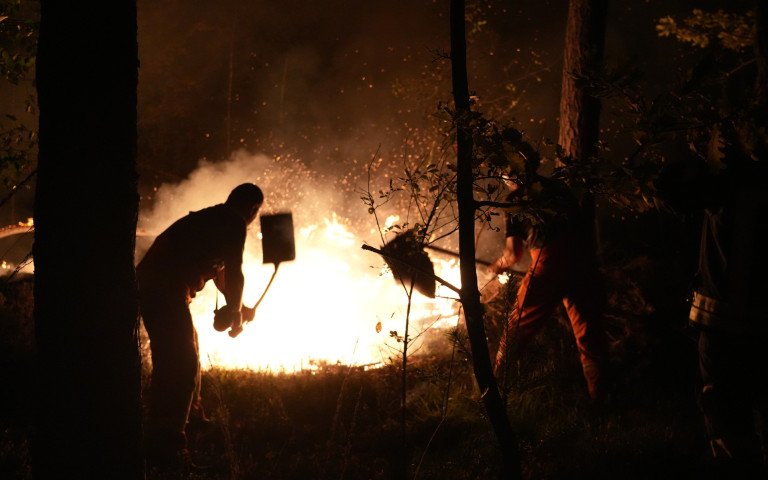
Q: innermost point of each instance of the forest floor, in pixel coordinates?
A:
(345, 422)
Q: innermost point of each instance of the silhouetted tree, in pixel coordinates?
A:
(86, 314)
(580, 111)
(761, 53)
(470, 295)
(583, 52)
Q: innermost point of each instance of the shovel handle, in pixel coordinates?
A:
(234, 332)
(456, 254)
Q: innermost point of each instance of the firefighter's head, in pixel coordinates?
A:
(246, 199)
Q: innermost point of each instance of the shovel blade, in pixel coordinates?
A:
(277, 242)
(410, 264)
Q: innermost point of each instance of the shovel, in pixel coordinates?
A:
(277, 246)
(411, 265)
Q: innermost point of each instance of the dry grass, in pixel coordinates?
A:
(343, 423)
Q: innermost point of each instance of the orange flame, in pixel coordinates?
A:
(329, 305)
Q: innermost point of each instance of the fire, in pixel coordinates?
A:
(323, 307)
(334, 304)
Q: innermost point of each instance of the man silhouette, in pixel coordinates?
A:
(203, 245)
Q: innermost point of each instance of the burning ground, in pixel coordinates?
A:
(335, 303)
(309, 417)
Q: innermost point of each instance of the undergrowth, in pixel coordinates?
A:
(341, 422)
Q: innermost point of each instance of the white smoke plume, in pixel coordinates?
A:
(322, 307)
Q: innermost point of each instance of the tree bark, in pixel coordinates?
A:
(580, 111)
(584, 45)
(470, 295)
(761, 53)
(86, 202)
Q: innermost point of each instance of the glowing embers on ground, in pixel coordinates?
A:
(322, 308)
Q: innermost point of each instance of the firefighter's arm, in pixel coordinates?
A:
(219, 281)
(513, 251)
(233, 294)
(234, 280)
(233, 287)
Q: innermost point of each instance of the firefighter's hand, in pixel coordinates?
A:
(248, 314)
(237, 326)
(226, 317)
(235, 330)
(502, 265)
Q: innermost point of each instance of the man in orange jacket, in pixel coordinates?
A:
(563, 271)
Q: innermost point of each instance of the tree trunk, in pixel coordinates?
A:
(86, 203)
(584, 45)
(761, 53)
(470, 296)
(579, 111)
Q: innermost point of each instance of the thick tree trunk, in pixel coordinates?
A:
(584, 45)
(761, 53)
(86, 314)
(579, 111)
(470, 296)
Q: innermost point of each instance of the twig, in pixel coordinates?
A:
(16, 187)
(489, 203)
(375, 216)
(20, 266)
(337, 412)
(404, 384)
(443, 410)
(223, 411)
(353, 423)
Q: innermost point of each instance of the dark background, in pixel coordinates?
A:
(328, 83)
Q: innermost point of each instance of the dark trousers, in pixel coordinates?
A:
(175, 383)
(734, 400)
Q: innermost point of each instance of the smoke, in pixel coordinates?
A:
(332, 304)
(322, 88)
(287, 185)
